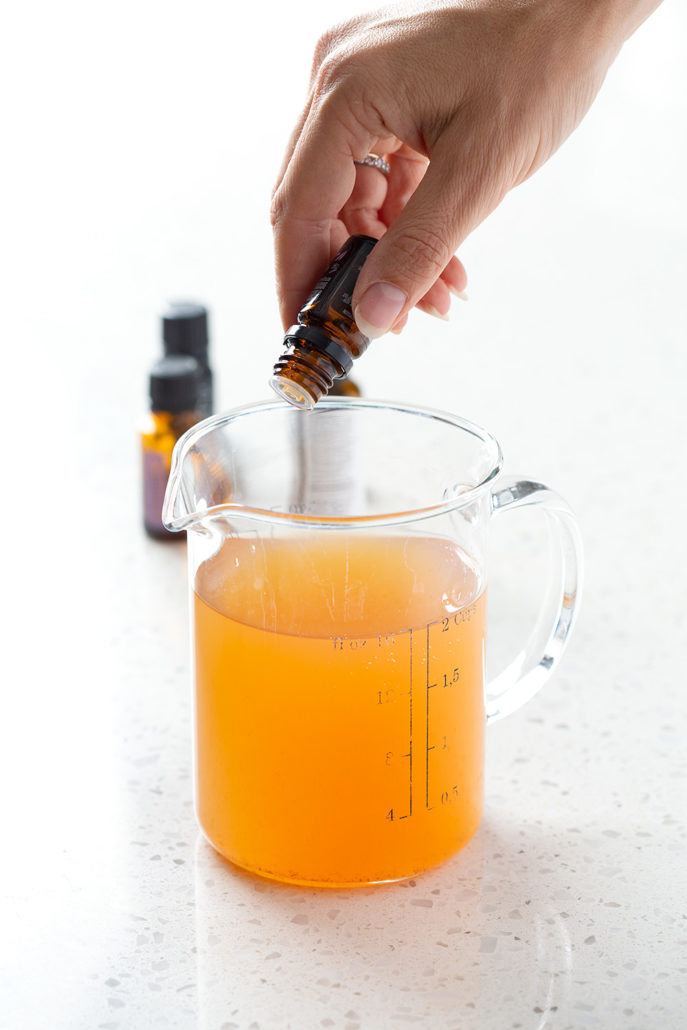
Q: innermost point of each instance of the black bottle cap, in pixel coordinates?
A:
(185, 329)
(174, 382)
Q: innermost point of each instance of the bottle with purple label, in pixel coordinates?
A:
(175, 383)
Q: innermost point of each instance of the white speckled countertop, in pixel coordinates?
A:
(568, 909)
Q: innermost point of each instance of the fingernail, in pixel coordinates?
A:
(431, 310)
(461, 294)
(378, 309)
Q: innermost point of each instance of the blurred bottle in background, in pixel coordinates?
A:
(185, 331)
(175, 388)
(345, 388)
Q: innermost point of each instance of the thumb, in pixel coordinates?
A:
(447, 204)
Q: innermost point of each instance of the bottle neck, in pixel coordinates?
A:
(305, 374)
(322, 346)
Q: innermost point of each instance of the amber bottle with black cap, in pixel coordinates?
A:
(175, 385)
(321, 347)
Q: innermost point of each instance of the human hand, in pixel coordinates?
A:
(465, 100)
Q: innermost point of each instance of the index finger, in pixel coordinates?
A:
(318, 180)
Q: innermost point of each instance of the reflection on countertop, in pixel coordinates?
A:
(475, 944)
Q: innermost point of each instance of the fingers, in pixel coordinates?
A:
(361, 212)
(413, 263)
(304, 244)
(376, 201)
(455, 277)
(484, 92)
(326, 44)
(309, 228)
(322, 197)
(291, 145)
(317, 184)
(451, 283)
(306, 236)
(407, 169)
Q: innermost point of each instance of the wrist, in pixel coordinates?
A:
(618, 19)
(587, 31)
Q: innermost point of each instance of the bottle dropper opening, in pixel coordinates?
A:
(292, 393)
(305, 373)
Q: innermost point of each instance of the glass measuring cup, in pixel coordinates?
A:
(338, 580)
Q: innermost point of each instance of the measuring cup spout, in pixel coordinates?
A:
(200, 478)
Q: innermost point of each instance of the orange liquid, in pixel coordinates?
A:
(340, 713)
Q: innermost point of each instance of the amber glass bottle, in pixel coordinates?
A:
(321, 347)
(175, 383)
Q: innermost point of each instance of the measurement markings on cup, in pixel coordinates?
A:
(438, 708)
(442, 710)
(428, 747)
(431, 656)
(409, 756)
(403, 646)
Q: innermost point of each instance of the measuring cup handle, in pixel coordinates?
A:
(530, 669)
